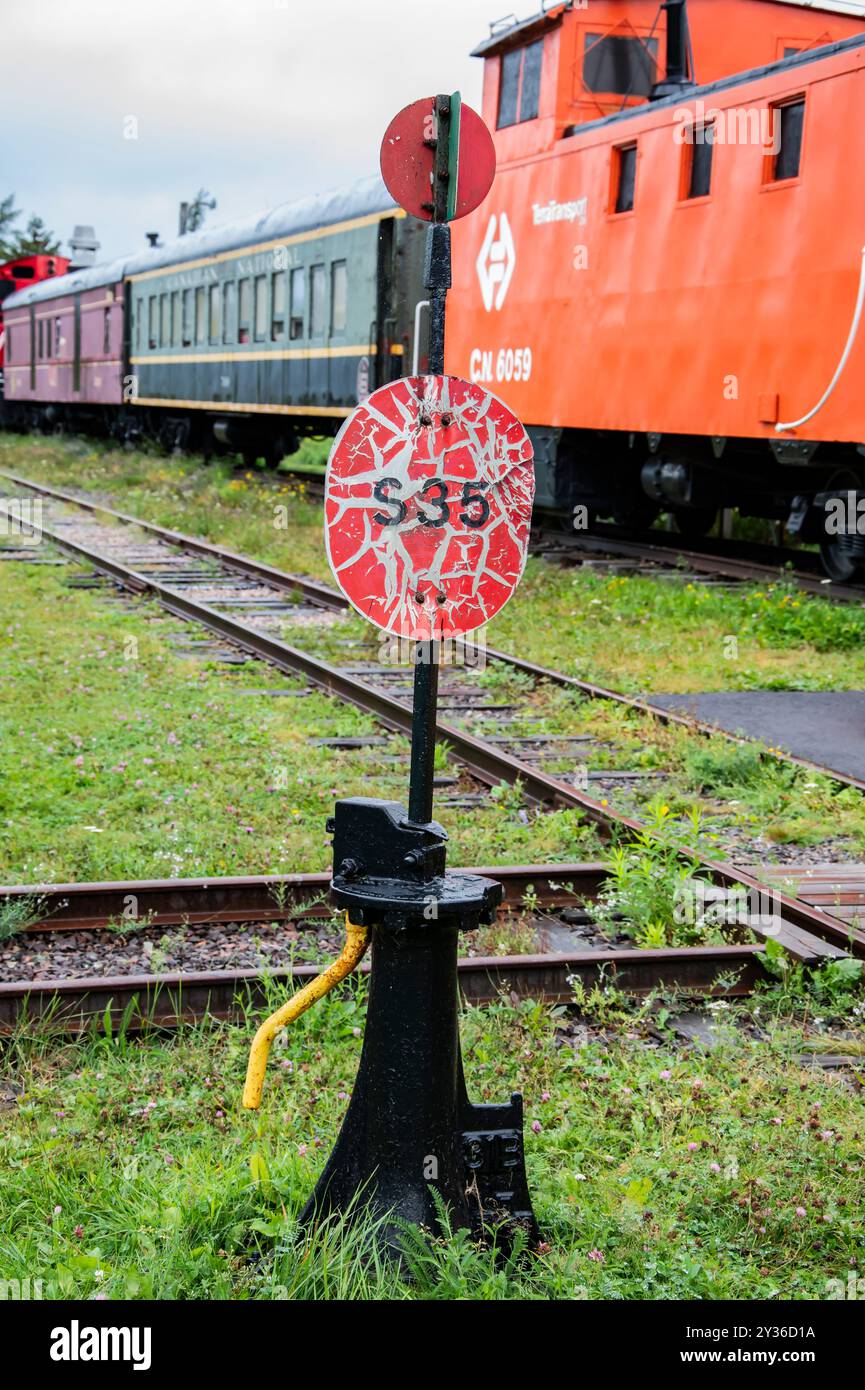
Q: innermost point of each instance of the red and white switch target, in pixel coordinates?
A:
(428, 504)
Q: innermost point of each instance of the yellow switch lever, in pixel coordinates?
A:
(356, 941)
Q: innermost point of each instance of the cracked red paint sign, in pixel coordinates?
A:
(428, 505)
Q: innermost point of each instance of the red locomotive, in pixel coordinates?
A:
(17, 275)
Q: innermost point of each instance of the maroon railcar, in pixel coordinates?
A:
(65, 344)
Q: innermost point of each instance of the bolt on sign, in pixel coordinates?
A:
(428, 505)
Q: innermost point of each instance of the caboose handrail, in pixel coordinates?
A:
(851, 338)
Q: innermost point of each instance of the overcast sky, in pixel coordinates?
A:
(259, 101)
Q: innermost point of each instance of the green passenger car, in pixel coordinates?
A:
(249, 335)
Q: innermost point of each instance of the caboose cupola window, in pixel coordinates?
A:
(623, 66)
(520, 85)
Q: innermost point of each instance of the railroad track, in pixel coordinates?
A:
(91, 912)
(135, 1001)
(719, 559)
(146, 559)
(324, 596)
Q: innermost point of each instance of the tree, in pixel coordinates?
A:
(8, 214)
(198, 208)
(36, 240)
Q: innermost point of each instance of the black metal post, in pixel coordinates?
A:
(423, 732)
(437, 277)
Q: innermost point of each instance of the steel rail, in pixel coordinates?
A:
(332, 599)
(320, 594)
(137, 1002)
(702, 562)
(259, 898)
(486, 762)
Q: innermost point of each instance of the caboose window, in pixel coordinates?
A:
(164, 320)
(531, 87)
(788, 121)
(698, 151)
(317, 293)
(625, 176)
(176, 328)
(57, 338)
(277, 322)
(298, 302)
(187, 318)
(106, 332)
(338, 297)
(152, 322)
(41, 351)
(622, 66)
(520, 84)
(260, 307)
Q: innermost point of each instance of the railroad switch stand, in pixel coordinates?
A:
(411, 1129)
(411, 1139)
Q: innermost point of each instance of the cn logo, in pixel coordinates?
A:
(495, 264)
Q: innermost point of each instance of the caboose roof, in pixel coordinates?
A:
(361, 199)
(502, 34)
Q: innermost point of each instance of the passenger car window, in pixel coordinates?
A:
(260, 307)
(316, 301)
(338, 296)
(244, 307)
(298, 302)
(227, 310)
(200, 314)
(277, 323)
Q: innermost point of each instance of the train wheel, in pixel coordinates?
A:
(695, 521)
(842, 557)
(636, 514)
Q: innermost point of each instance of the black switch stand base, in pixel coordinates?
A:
(410, 1130)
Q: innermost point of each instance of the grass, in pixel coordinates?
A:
(130, 759)
(659, 1171)
(636, 634)
(125, 758)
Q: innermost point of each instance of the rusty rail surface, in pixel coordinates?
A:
(146, 1001)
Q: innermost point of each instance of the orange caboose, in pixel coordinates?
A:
(668, 276)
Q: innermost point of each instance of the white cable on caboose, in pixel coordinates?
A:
(854, 329)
